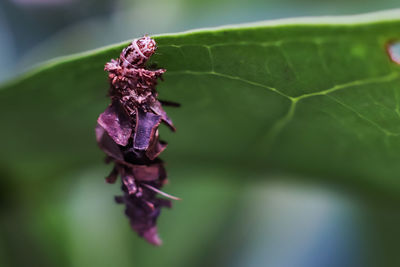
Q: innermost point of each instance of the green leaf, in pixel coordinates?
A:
(313, 97)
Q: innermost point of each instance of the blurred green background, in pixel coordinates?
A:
(72, 220)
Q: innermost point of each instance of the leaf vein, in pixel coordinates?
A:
(386, 78)
(385, 131)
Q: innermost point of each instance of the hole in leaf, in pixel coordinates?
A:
(393, 49)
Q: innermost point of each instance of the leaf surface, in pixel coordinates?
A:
(314, 97)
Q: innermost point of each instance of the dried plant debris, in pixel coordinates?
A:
(127, 131)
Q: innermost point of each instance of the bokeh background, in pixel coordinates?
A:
(71, 219)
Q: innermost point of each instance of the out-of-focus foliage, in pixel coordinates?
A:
(56, 211)
(254, 100)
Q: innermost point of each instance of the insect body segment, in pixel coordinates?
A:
(127, 131)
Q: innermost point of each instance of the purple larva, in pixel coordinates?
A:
(127, 131)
